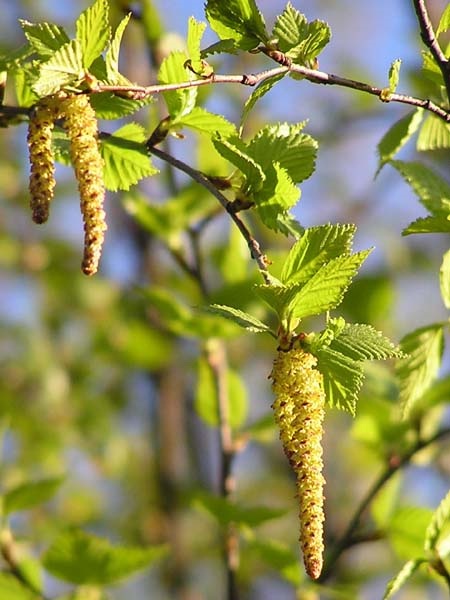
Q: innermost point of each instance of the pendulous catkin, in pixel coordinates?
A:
(81, 126)
(42, 175)
(299, 411)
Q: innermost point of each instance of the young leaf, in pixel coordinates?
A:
(202, 120)
(402, 577)
(235, 151)
(342, 379)
(110, 106)
(317, 246)
(280, 557)
(326, 288)
(239, 317)
(44, 38)
(226, 511)
(444, 279)
(30, 494)
(112, 54)
(206, 397)
(416, 371)
(64, 68)
(363, 342)
(173, 70)
(83, 558)
(439, 521)
(434, 135)
(259, 92)
(444, 22)
(93, 31)
(394, 74)
(438, 224)
(196, 30)
(406, 530)
(126, 158)
(397, 136)
(239, 20)
(12, 589)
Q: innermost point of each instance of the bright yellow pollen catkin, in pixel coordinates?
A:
(42, 175)
(299, 411)
(81, 126)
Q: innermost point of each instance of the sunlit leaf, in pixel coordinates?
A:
(239, 317)
(235, 151)
(206, 122)
(64, 68)
(402, 577)
(30, 494)
(397, 136)
(363, 342)
(432, 190)
(173, 70)
(444, 279)
(342, 379)
(93, 31)
(44, 38)
(239, 20)
(434, 134)
(112, 54)
(439, 521)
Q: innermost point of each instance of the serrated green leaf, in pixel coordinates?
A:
(126, 157)
(432, 190)
(444, 279)
(93, 31)
(276, 197)
(23, 82)
(206, 122)
(64, 69)
(423, 349)
(439, 521)
(110, 106)
(397, 136)
(30, 494)
(342, 379)
(316, 247)
(172, 70)
(206, 397)
(444, 22)
(112, 54)
(286, 144)
(12, 589)
(363, 342)
(227, 46)
(402, 577)
(239, 317)
(299, 40)
(235, 151)
(434, 135)
(226, 511)
(83, 558)
(259, 92)
(394, 74)
(44, 38)
(275, 296)
(326, 288)
(196, 30)
(439, 224)
(239, 20)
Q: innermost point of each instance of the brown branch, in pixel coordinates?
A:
(348, 537)
(429, 39)
(199, 177)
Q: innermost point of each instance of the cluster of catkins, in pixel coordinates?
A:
(299, 409)
(78, 119)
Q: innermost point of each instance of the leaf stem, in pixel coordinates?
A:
(349, 536)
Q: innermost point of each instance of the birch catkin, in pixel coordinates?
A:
(42, 175)
(81, 125)
(299, 412)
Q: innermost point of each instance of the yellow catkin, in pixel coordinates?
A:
(81, 125)
(299, 411)
(42, 175)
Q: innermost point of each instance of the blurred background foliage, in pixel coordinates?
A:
(102, 380)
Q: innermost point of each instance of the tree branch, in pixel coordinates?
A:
(429, 39)
(348, 537)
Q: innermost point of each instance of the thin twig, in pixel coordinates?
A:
(200, 178)
(348, 537)
(429, 39)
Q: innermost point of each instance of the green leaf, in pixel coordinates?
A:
(110, 106)
(259, 92)
(423, 349)
(434, 134)
(444, 279)
(397, 136)
(202, 120)
(172, 70)
(196, 30)
(439, 522)
(239, 20)
(12, 589)
(65, 68)
(326, 288)
(439, 224)
(239, 317)
(226, 511)
(402, 577)
(112, 54)
(235, 151)
(93, 31)
(363, 342)
(30, 494)
(126, 157)
(83, 558)
(342, 379)
(407, 529)
(394, 74)
(280, 557)
(44, 38)
(288, 146)
(299, 40)
(444, 22)
(206, 397)
(317, 246)
(433, 191)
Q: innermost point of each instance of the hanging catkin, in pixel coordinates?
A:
(81, 125)
(42, 175)
(299, 412)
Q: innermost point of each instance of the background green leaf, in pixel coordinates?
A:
(30, 494)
